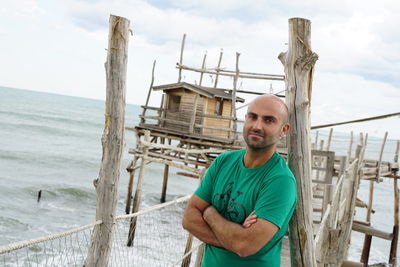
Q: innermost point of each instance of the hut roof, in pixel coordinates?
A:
(205, 91)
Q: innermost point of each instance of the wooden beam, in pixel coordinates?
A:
(113, 143)
(354, 121)
(372, 231)
(222, 72)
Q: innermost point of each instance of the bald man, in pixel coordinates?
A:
(244, 204)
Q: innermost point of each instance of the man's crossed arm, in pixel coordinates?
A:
(204, 222)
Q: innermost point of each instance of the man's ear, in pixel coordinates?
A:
(285, 129)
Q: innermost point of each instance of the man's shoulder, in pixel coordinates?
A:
(281, 169)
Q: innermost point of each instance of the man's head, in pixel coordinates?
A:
(266, 122)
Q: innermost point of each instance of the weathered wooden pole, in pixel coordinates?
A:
(164, 184)
(203, 66)
(218, 68)
(181, 58)
(299, 63)
(131, 170)
(233, 105)
(138, 192)
(112, 141)
(142, 119)
(393, 245)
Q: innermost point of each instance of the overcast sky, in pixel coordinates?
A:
(59, 47)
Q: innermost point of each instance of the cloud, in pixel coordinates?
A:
(357, 43)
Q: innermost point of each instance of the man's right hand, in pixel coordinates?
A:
(250, 220)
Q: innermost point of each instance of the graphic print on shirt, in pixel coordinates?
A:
(227, 207)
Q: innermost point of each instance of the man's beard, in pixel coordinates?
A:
(266, 142)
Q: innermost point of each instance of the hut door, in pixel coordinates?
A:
(174, 102)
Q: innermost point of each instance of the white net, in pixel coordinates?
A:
(159, 240)
(64, 249)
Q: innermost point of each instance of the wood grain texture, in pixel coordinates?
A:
(112, 141)
(298, 64)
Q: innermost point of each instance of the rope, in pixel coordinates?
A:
(26, 243)
(153, 208)
(187, 254)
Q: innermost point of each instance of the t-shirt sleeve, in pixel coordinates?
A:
(277, 200)
(204, 191)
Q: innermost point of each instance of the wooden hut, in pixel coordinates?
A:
(194, 111)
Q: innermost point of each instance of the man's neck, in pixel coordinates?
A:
(256, 158)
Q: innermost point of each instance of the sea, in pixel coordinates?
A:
(52, 143)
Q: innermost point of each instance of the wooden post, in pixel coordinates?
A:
(350, 149)
(350, 196)
(378, 167)
(189, 241)
(164, 110)
(181, 58)
(193, 119)
(138, 193)
(131, 171)
(321, 160)
(203, 66)
(112, 142)
(217, 70)
(328, 145)
(165, 183)
(316, 140)
(235, 80)
(368, 238)
(200, 254)
(299, 63)
(148, 94)
(393, 246)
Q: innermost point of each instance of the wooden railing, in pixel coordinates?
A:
(164, 120)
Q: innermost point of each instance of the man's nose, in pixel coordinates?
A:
(258, 124)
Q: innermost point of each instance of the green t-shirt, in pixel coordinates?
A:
(235, 191)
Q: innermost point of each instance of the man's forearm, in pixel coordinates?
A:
(232, 236)
(193, 222)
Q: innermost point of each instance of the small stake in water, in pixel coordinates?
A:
(39, 196)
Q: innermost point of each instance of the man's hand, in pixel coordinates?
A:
(250, 220)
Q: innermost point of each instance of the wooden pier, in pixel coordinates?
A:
(195, 123)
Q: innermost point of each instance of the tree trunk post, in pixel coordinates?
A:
(112, 142)
(298, 64)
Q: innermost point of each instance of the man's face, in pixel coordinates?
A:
(264, 124)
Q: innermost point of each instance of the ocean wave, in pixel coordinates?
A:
(50, 160)
(37, 129)
(55, 118)
(11, 225)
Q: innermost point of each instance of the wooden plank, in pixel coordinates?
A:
(371, 231)
(229, 74)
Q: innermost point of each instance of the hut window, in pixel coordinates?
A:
(218, 107)
(174, 103)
